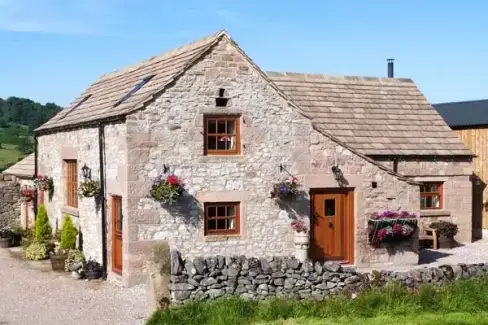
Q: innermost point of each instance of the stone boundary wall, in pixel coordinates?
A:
(9, 204)
(213, 277)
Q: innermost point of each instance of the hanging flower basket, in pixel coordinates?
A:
(286, 189)
(167, 190)
(27, 193)
(89, 188)
(391, 226)
(44, 183)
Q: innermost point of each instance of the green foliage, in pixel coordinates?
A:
(43, 228)
(390, 303)
(28, 237)
(445, 228)
(36, 251)
(68, 233)
(89, 188)
(75, 256)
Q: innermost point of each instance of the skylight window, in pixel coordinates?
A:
(133, 91)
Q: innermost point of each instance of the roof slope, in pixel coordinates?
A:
(24, 168)
(375, 116)
(111, 88)
(468, 113)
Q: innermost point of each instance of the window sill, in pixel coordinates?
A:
(220, 158)
(70, 210)
(211, 238)
(435, 213)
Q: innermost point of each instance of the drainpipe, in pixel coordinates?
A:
(101, 150)
(35, 174)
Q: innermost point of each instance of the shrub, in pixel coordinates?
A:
(445, 228)
(75, 256)
(36, 252)
(43, 228)
(27, 237)
(68, 234)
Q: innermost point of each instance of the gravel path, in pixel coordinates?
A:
(33, 297)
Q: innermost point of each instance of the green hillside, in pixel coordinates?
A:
(18, 119)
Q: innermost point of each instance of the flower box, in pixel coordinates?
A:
(391, 227)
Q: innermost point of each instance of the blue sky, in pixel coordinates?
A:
(50, 50)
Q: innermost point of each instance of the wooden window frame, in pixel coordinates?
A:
(439, 193)
(71, 182)
(219, 232)
(220, 152)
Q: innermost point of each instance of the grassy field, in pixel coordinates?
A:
(9, 155)
(464, 302)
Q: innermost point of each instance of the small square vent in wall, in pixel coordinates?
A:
(222, 99)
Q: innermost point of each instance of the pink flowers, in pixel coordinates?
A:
(388, 226)
(298, 225)
(173, 180)
(167, 190)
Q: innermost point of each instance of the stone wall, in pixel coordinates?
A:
(170, 131)
(9, 204)
(213, 277)
(82, 145)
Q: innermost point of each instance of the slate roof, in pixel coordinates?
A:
(464, 114)
(375, 116)
(23, 169)
(111, 88)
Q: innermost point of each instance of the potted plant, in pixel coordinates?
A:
(391, 226)
(68, 241)
(89, 188)
(286, 188)
(446, 232)
(167, 190)
(75, 261)
(301, 239)
(36, 251)
(92, 269)
(5, 237)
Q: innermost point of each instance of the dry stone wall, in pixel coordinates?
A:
(9, 204)
(259, 278)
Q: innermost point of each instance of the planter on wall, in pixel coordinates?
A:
(301, 241)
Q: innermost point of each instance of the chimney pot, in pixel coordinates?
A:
(390, 68)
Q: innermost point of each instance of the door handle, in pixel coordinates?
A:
(331, 225)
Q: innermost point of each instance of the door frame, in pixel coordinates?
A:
(114, 227)
(349, 225)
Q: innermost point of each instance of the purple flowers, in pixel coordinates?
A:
(391, 226)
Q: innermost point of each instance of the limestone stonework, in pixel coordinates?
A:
(169, 131)
(9, 204)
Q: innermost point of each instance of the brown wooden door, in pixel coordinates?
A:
(117, 221)
(332, 228)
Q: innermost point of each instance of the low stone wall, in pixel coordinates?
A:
(213, 277)
(9, 204)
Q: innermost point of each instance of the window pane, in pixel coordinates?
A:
(221, 127)
(221, 224)
(212, 126)
(423, 203)
(436, 201)
(222, 143)
(422, 189)
(221, 211)
(230, 211)
(329, 207)
(212, 142)
(211, 212)
(212, 224)
(231, 129)
(428, 202)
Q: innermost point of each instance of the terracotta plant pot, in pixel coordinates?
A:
(4, 242)
(446, 242)
(57, 262)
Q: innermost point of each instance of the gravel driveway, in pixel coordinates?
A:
(33, 297)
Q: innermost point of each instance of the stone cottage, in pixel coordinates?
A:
(209, 115)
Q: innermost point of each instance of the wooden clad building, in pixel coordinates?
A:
(469, 119)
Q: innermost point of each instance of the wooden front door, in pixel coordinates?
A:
(332, 226)
(117, 221)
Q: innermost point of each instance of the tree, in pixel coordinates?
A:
(68, 234)
(43, 228)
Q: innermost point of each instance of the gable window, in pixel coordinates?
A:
(71, 185)
(222, 135)
(222, 218)
(431, 195)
